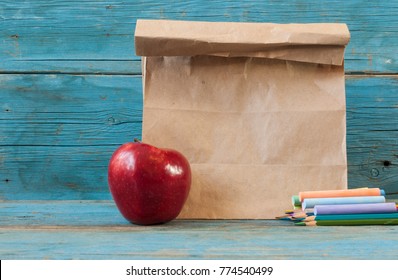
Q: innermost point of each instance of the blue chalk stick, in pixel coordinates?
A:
(311, 202)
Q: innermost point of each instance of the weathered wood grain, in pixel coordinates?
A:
(97, 36)
(72, 110)
(201, 240)
(72, 66)
(37, 172)
(57, 132)
(70, 91)
(372, 132)
(94, 230)
(65, 213)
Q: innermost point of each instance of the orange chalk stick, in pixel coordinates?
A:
(340, 193)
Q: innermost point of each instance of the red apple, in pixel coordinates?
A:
(149, 185)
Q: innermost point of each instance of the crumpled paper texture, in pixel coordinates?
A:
(256, 128)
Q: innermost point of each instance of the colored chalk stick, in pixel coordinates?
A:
(364, 222)
(352, 217)
(296, 200)
(311, 202)
(388, 207)
(341, 193)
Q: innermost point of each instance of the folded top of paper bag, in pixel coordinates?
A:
(314, 43)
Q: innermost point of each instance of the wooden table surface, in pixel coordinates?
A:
(70, 91)
(86, 229)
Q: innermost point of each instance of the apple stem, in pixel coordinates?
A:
(136, 140)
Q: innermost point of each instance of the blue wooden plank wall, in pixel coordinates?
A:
(70, 86)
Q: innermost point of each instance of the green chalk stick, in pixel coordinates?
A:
(364, 222)
(296, 200)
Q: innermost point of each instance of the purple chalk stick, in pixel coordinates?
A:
(367, 208)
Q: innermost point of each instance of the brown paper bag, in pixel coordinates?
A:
(258, 109)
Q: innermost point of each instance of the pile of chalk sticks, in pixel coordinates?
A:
(353, 207)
